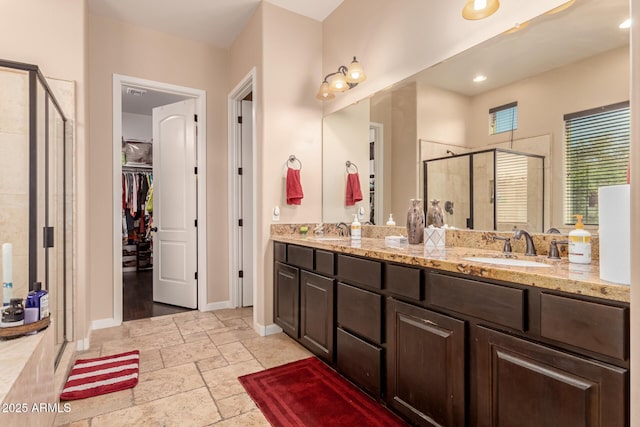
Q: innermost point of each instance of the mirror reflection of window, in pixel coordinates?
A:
(596, 155)
(503, 118)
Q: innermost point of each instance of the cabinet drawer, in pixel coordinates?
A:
(404, 281)
(300, 256)
(360, 271)
(360, 361)
(325, 262)
(600, 328)
(494, 303)
(360, 311)
(280, 251)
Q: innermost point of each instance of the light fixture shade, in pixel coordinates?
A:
(324, 92)
(338, 83)
(355, 73)
(479, 9)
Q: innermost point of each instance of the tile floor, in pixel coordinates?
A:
(189, 365)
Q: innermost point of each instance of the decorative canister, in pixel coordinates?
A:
(435, 216)
(415, 222)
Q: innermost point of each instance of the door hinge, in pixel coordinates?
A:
(47, 237)
(196, 275)
(240, 273)
(239, 171)
(195, 222)
(195, 118)
(195, 170)
(240, 119)
(240, 223)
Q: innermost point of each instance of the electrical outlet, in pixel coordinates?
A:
(361, 212)
(276, 214)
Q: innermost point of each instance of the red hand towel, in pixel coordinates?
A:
(294, 188)
(354, 194)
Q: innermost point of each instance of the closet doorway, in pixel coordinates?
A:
(156, 246)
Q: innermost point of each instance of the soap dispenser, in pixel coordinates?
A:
(391, 221)
(356, 228)
(580, 244)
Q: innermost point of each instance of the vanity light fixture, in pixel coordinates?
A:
(625, 24)
(479, 9)
(342, 80)
(479, 78)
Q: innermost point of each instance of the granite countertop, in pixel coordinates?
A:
(560, 276)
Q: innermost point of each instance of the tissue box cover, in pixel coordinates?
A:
(434, 237)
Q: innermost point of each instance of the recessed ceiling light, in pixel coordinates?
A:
(479, 78)
(626, 24)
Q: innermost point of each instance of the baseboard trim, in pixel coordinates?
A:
(104, 323)
(216, 306)
(82, 345)
(263, 330)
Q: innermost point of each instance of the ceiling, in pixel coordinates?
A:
(144, 103)
(216, 22)
(586, 29)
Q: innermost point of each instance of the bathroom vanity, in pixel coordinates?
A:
(446, 341)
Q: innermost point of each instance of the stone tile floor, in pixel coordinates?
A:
(189, 365)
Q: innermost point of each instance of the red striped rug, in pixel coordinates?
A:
(92, 377)
(309, 393)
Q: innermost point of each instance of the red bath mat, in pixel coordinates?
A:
(91, 377)
(308, 393)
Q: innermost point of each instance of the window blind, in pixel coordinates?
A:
(503, 118)
(511, 187)
(596, 155)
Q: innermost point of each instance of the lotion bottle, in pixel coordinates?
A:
(356, 228)
(580, 244)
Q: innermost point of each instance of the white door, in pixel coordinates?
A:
(175, 204)
(246, 200)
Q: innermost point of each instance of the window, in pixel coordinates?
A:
(596, 154)
(503, 118)
(511, 188)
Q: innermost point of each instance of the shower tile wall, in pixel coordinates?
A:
(14, 173)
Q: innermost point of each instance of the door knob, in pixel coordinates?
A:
(154, 229)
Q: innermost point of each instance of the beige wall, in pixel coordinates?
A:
(53, 36)
(404, 162)
(120, 48)
(635, 213)
(292, 125)
(285, 50)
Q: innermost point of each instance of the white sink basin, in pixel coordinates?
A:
(508, 261)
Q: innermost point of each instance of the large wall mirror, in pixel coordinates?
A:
(558, 64)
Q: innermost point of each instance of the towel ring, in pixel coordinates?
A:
(349, 164)
(293, 159)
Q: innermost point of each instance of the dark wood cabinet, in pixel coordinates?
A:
(317, 322)
(287, 298)
(454, 350)
(425, 365)
(525, 384)
(359, 361)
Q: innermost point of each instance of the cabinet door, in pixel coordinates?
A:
(317, 314)
(425, 365)
(287, 301)
(530, 385)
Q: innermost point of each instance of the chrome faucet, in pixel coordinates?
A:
(343, 229)
(531, 249)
